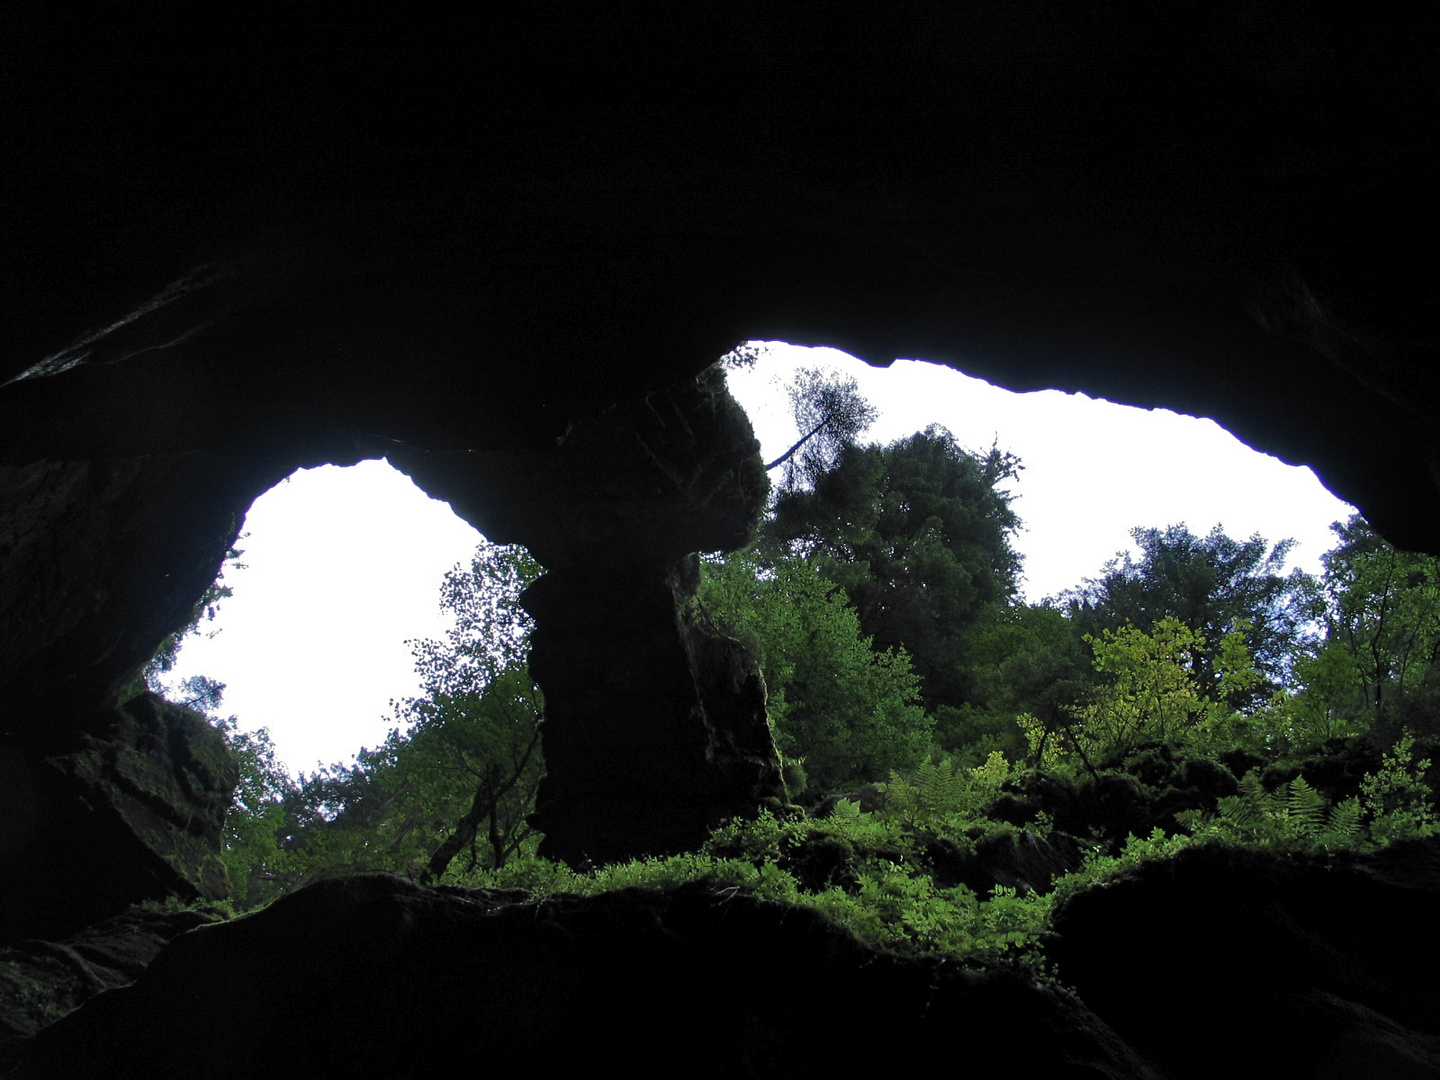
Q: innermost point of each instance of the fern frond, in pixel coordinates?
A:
(930, 783)
(1344, 829)
(1304, 809)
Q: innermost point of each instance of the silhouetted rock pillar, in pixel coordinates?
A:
(655, 728)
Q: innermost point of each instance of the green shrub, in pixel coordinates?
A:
(1395, 804)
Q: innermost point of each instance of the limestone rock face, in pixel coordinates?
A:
(656, 731)
(377, 977)
(41, 981)
(501, 252)
(1245, 964)
(655, 727)
(106, 805)
(102, 559)
(131, 811)
(1314, 967)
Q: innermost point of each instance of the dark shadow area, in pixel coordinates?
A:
(501, 251)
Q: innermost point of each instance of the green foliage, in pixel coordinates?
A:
(917, 535)
(1396, 804)
(944, 795)
(463, 768)
(1100, 868)
(896, 909)
(879, 884)
(1397, 798)
(1213, 585)
(907, 545)
(1023, 659)
(887, 897)
(1153, 693)
(455, 778)
(1327, 701)
(845, 710)
(255, 860)
(1292, 816)
(885, 892)
(1381, 662)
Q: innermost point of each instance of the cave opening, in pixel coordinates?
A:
(338, 568)
(1092, 469)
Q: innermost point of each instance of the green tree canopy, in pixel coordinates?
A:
(456, 776)
(1380, 661)
(473, 735)
(256, 823)
(1022, 659)
(1154, 694)
(917, 533)
(844, 710)
(1212, 584)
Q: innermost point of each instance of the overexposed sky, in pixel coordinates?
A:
(1092, 469)
(344, 565)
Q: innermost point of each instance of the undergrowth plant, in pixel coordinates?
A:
(886, 894)
(943, 794)
(1395, 804)
(1100, 867)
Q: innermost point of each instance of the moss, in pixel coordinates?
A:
(32, 1002)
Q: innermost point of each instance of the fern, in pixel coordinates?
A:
(1396, 800)
(1345, 828)
(1304, 814)
(1100, 868)
(944, 795)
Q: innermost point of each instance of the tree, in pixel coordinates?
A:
(457, 774)
(830, 414)
(1380, 660)
(1212, 585)
(344, 819)
(254, 855)
(1023, 659)
(1154, 694)
(917, 534)
(843, 711)
(475, 730)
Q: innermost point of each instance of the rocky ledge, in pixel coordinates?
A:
(1217, 962)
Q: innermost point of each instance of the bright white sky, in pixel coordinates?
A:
(344, 565)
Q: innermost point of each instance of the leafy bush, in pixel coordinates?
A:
(866, 871)
(944, 794)
(1396, 804)
(843, 712)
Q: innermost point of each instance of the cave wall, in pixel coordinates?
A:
(655, 727)
(462, 244)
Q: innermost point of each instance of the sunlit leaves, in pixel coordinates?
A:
(1152, 693)
(1210, 584)
(847, 711)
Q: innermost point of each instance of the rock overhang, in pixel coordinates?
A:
(454, 248)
